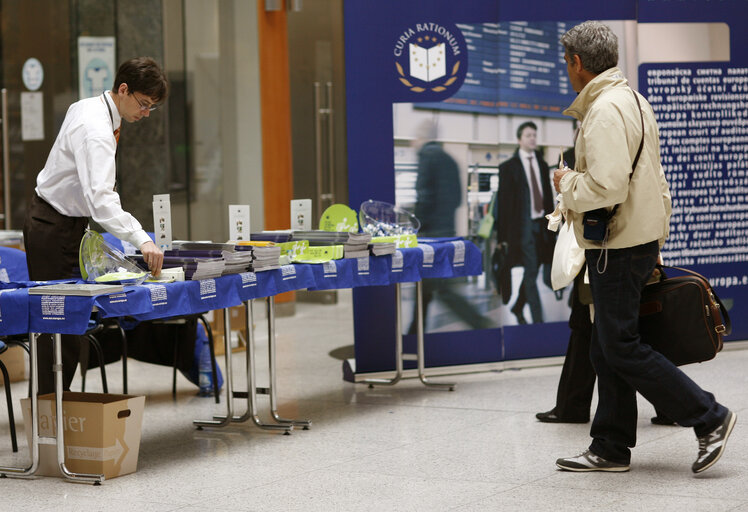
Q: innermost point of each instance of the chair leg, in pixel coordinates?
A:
(209, 331)
(100, 354)
(24, 346)
(11, 419)
(174, 368)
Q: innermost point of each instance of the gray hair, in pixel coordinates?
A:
(595, 43)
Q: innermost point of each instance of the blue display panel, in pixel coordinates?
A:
(374, 83)
(514, 67)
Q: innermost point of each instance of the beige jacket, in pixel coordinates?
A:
(609, 136)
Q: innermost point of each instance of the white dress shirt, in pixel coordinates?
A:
(525, 157)
(78, 178)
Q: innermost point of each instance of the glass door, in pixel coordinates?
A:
(315, 48)
(36, 77)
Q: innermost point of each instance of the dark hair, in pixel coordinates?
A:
(595, 43)
(526, 124)
(142, 75)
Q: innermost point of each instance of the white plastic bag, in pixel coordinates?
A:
(568, 257)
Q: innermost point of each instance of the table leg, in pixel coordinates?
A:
(60, 441)
(251, 393)
(305, 424)
(222, 421)
(420, 349)
(29, 471)
(398, 346)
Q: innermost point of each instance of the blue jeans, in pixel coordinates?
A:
(624, 365)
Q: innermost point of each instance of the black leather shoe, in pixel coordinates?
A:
(552, 417)
(663, 420)
(518, 313)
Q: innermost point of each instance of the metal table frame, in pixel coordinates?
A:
(284, 425)
(401, 356)
(36, 439)
(281, 424)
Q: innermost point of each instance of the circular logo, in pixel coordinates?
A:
(430, 57)
(32, 74)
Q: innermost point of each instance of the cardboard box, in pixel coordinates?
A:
(237, 315)
(102, 432)
(15, 361)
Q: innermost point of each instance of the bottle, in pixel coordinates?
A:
(205, 371)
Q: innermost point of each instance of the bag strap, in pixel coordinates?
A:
(638, 152)
(725, 328)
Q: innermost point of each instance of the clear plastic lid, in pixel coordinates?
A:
(385, 219)
(101, 263)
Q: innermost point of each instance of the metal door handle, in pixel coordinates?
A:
(318, 146)
(6, 160)
(330, 143)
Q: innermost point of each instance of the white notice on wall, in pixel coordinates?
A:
(239, 222)
(96, 66)
(32, 116)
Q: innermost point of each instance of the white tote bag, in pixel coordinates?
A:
(568, 257)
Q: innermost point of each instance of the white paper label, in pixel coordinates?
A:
(428, 255)
(32, 116)
(397, 261)
(459, 257)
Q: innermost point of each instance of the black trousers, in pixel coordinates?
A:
(52, 241)
(577, 382)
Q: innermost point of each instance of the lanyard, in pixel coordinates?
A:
(103, 95)
(116, 135)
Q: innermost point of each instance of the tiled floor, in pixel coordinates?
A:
(400, 448)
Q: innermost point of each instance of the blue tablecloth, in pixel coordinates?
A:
(439, 258)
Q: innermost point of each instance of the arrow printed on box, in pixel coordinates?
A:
(115, 452)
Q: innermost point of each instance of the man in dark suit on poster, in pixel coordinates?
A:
(524, 198)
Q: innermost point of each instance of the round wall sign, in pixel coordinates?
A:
(33, 74)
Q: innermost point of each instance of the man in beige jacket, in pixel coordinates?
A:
(609, 139)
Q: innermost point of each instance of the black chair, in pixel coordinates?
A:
(92, 336)
(9, 398)
(104, 331)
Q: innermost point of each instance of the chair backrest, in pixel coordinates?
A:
(13, 265)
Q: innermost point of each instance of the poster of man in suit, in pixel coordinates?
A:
(524, 199)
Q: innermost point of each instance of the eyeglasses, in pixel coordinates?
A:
(150, 108)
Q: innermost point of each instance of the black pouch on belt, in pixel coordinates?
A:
(595, 224)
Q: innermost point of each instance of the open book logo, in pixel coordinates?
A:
(430, 57)
(427, 64)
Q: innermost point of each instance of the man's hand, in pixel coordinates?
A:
(153, 257)
(558, 175)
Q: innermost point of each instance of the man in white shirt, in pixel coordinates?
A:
(78, 182)
(523, 200)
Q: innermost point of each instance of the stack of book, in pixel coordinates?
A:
(265, 258)
(271, 236)
(199, 260)
(236, 261)
(204, 268)
(382, 248)
(357, 245)
(319, 237)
